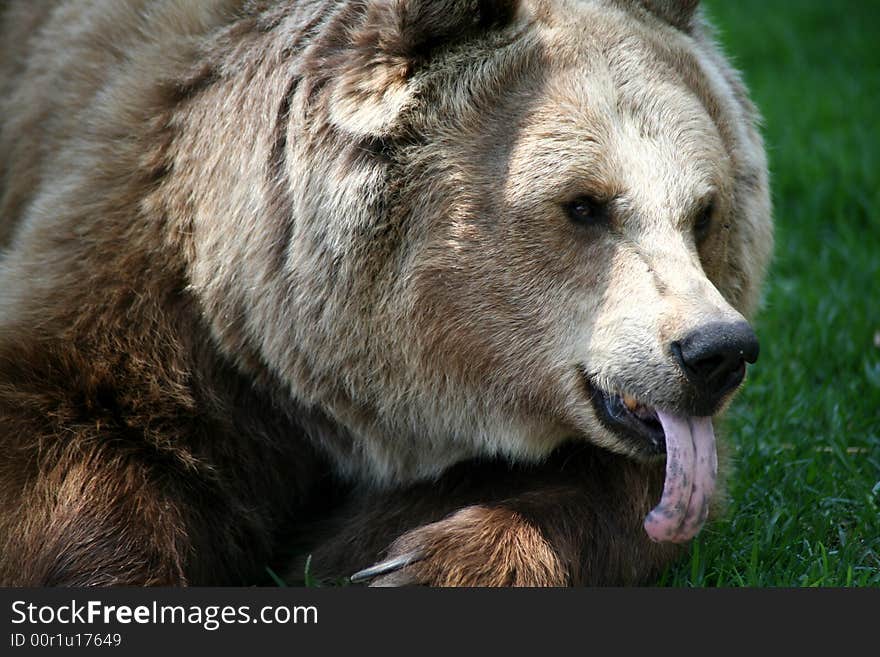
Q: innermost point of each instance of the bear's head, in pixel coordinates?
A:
(505, 225)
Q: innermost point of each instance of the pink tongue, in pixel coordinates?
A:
(691, 467)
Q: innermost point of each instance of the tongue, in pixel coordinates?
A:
(691, 467)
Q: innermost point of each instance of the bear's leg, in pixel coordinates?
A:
(108, 515)
(574, 520)
(102, 521)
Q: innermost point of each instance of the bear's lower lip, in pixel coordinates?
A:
(636, 423)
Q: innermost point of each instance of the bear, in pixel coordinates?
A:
(445, 292)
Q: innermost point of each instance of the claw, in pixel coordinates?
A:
(385, 567)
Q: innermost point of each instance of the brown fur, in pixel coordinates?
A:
(487, 524)
(280, 269)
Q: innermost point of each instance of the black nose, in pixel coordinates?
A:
(714, 357)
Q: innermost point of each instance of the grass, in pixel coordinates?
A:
(805, 496)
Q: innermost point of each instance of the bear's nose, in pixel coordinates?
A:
(714, 357)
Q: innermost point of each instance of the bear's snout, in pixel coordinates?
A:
(713, 358)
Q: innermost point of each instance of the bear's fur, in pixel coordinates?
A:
(283, 273)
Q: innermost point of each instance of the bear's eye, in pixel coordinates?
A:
(586, 210)
(704, 221)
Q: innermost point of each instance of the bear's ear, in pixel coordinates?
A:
(388, 40)
(679, 13)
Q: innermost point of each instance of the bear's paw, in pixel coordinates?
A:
(477, 546)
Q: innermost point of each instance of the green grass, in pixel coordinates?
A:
(805, 495)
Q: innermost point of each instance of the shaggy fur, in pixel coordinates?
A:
(279, 269)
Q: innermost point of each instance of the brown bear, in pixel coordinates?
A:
(443, 292)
